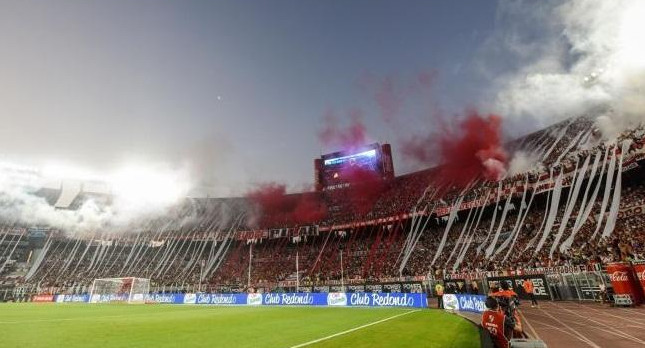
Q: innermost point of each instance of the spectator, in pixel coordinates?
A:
(527, 285)
(438, 290)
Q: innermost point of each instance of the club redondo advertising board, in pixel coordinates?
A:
(348, 299)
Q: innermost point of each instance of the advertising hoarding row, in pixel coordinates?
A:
(267, 299)
(466, 303)
(540, 286)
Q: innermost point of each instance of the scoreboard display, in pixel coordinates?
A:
(332, 169)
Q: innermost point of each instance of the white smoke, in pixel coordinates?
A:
(571, 58)
(19, 205)
(523, 162)
(136, 195)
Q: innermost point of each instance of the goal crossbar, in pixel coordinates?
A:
(125, 289)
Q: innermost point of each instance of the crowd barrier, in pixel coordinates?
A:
(267, 299)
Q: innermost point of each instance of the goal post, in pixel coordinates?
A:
(119, 290)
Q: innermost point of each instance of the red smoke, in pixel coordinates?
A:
(426, 79)
(352, 136)
(473, 150)
(276, 208)
(309, 209)
(391, 94)
(366, 186)
(389, 99)
(420, 149)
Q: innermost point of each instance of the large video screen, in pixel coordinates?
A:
(336, 166)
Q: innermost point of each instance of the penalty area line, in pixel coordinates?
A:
(352, 329)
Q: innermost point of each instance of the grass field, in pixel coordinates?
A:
(81, 325)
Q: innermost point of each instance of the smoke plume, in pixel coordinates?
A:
(365, 188)
(273, 207)
(588, 56)
(472, 150)
(134, 197)
(334, 133)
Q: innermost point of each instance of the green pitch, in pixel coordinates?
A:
(159, 326)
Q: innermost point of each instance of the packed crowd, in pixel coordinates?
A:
(196, 244)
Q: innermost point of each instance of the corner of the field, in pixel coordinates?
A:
(474, 318)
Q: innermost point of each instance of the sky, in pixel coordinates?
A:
(236, 91)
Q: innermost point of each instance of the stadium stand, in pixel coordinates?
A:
(217, 245)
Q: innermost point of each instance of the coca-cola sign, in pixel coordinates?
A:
(641, 275)
(619, 276)
(624, 281)
(639, 269)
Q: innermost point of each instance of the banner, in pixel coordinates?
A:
(355, 299)
(373, 288)
(386, 300)
(466, 303)
(321, 288)
(72, 298)
(161, 298)
(42, 298)
(415, 287)
(97, 298)
(450, 302)
(540, 286)
(221, 299)
(294, 299)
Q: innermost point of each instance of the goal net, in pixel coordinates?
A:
(129, 290)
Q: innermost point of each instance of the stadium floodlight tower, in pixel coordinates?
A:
(128, 289)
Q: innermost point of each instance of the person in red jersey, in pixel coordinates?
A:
(494, 320)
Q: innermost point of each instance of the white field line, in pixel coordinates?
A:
(632, 320)
(558, 329)
(352, 330)
(574, 331)
(632, 311)
(610, 330)
(524, 319)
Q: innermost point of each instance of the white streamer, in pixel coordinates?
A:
(553, 211)
(492, 223)
(583, 214)
(451, 219)
(493, 243)
(574, 190)
(605, 198)
(613, 211)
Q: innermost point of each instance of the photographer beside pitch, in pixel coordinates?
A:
(497, 323)
(507, 300)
